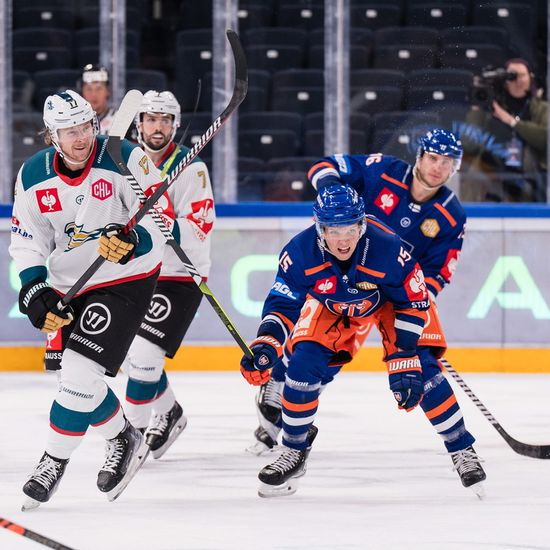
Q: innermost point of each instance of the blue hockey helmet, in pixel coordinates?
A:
(441, 142)
(337, 205)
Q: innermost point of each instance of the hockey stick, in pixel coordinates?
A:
(24, 532)
(525, 449)
(174, 154)
(239, 93)
(130, 104)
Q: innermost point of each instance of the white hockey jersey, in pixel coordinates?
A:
(57, 221)
(193, 203)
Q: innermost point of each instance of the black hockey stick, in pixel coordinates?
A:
(239, 93)
(525, 449)
(130, 104)
(27, 533)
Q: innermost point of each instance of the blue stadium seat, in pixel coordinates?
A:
(406, 36)
(404, 58)
(375, 99)
(271, 120)
(305, 16)
(298, 99)
(266, 144)
(49, 82)
(436, 15)
(472, 57)
(375, 16)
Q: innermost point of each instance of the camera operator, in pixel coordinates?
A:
(505, 136)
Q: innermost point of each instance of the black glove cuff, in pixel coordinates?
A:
(29, 292)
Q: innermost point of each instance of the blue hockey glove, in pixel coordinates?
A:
(267, 353)
(40, 303)
(405, 374)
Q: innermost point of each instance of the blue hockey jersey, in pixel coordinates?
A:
(381, 271)
(432, 231)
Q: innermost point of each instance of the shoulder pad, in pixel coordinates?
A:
(38, 168)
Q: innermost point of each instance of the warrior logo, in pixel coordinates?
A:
(386, 201)
(78, 235)
(102, 189)
(355, 308)
(325, 286)
(48, 200)
(159, 309)
(95, 319)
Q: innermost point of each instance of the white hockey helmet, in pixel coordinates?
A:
(160, 102)
(65, 110)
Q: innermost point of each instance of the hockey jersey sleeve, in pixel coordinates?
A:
(408, 293)
(286, 297)
(342, 169)
(193, 203)
(32, 237)
(439, 261)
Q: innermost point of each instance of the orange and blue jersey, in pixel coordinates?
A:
(432, 231)
(380, 271)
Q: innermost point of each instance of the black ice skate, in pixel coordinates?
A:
(281, 477)
(468, 465)
(125, 454)
(43, 482)
(268, 407)
(164, 430)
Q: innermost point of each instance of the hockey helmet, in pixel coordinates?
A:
(65, 110)
(160, 102)
(94, 73)
(441, 142)
(337, 205)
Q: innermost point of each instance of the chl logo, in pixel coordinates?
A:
(95, 319)
(102, 189)
(159, 309)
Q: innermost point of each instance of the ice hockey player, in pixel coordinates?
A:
(96, 91)
(150, 401)
(70, 204)
(416, 204)
(331, 279)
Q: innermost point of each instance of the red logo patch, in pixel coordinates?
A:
(48, 200)
(325, 286)
(202, 215)
(387, 201)
(163, 206)
(102, 189)
(449, 267)
(415, 287)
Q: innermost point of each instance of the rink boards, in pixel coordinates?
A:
(496, 313)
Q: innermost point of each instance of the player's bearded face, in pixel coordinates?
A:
(156, 129)
(342, 241)
(76, 143)
(433, 170)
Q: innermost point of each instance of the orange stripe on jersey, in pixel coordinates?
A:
(300, 407)
(371, 271)
(445, 212)
(381, 226)
(433, 282)
(286, 321)
(317, 166)
(394, 181)
(313, 270)
(445, 406)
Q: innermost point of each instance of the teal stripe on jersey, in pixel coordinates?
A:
(38, 168)
(108, 407)
(67, 421)
(38, 273)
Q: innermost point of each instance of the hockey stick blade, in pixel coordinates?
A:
(525, 449)
(36, 537)
(239, 93)
(114, 151)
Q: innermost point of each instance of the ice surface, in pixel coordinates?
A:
(377, 478)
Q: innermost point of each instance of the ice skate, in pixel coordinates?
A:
(281, 478)
(125, 454)
(268, 408)
(164, 430)
(43, 482)
(468, 465)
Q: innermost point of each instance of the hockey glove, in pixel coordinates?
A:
(267, 353)
(405, 373)
(116, 246)
(39, 302)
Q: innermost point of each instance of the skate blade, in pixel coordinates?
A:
(284, 490)
(478, 489)
(176, 432)
(135, 464)
(30, 504)
(258, 448)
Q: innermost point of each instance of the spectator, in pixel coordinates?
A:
(96, 90)
(508, 144)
